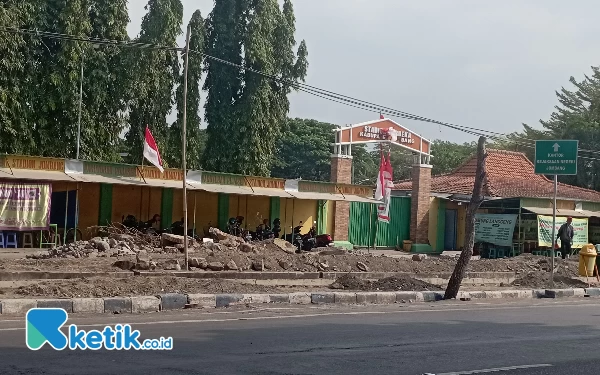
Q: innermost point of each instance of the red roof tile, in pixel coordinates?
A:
(509, 175)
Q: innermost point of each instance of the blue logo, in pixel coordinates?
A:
(44, 326)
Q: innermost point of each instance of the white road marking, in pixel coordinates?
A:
(498, 369)
(300, 316)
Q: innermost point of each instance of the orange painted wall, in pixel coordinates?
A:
(206, 209)
(127, 200)
(89, 205)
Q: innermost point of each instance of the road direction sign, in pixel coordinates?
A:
(555, 157)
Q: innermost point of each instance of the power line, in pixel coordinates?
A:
(303, 87)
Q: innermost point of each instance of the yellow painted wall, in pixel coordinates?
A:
(89, 205)
(294, 211)
(565, 205)
(206, 208)
(433, 221)
(330, 217)
(207, 205)
(254, 209)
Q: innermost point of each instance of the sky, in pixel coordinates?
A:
(482, 64)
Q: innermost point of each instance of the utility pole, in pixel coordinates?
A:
(184, 144)
(80, 100)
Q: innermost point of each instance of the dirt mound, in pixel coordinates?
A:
(541, 280)
(394, 283)
(145, 286)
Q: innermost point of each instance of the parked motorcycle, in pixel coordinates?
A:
(312, 240)
(131, 222)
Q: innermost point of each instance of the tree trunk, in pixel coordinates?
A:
(476, 200)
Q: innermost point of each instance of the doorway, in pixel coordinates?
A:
(450, 230)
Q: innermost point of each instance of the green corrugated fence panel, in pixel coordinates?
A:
(105, 210)
(363, 224)
(322, 217)
(223, 210)
(166, 208)
(274, 209)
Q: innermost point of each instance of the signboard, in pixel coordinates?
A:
(556, 157)
(33, 163)
(24, 206)
(495, 228)
(383, 130)
(580, 230)
(594, 234)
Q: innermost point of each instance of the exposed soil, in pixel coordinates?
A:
(540, 280)
(394, 283)
(145, 286)
(276, 259)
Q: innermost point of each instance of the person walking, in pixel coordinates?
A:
(566, 234)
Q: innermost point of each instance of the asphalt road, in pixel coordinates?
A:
(546, 337)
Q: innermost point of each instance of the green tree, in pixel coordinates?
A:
(16, 132)
(195, 136)
(246, 110)
(54, 85)
(304, 151)
(106, 83)
(225, 29)
(447, 156)
(155, 73)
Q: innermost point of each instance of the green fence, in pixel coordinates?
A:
(363, 224)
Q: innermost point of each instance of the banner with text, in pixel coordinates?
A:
(496, 229)
(24, 206)
(580, 230)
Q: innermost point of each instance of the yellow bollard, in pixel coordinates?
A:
(587, 260)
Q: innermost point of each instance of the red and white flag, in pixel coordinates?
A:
(151, 151)
(384, 188)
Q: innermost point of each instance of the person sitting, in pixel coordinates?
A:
(154, 222)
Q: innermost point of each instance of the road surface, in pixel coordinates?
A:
(514, 338)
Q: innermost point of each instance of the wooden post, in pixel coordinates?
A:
(476, 200)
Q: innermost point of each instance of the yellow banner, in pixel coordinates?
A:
(24, 206)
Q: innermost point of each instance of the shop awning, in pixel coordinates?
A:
(227, 189)
(267, 192)
(317, 196)
(105, 179)
(356, 198)
(26, 174)
(562, 212)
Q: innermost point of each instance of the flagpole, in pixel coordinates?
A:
(184, 144)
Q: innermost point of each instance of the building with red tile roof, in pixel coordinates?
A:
(509, 175)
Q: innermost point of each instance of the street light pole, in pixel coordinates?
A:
(80, 100)
(184, 144)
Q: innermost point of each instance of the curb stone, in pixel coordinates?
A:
(592, 292)
(117, 305)
(88, 305)
(65, 304)
(174, 301)
(17, 306)
(145, 304)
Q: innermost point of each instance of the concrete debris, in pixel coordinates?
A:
(216, 266)
(362, 267)
(285, 246)
(331, 251)
(102, 246)
(258, 266)
(419, 257)
(284, 264)
(126, 265)
(169, 239)
(198, 263)
(246, 248)
(172, 264)
(231, 266)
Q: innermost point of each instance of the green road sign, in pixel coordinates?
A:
(556, 157)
